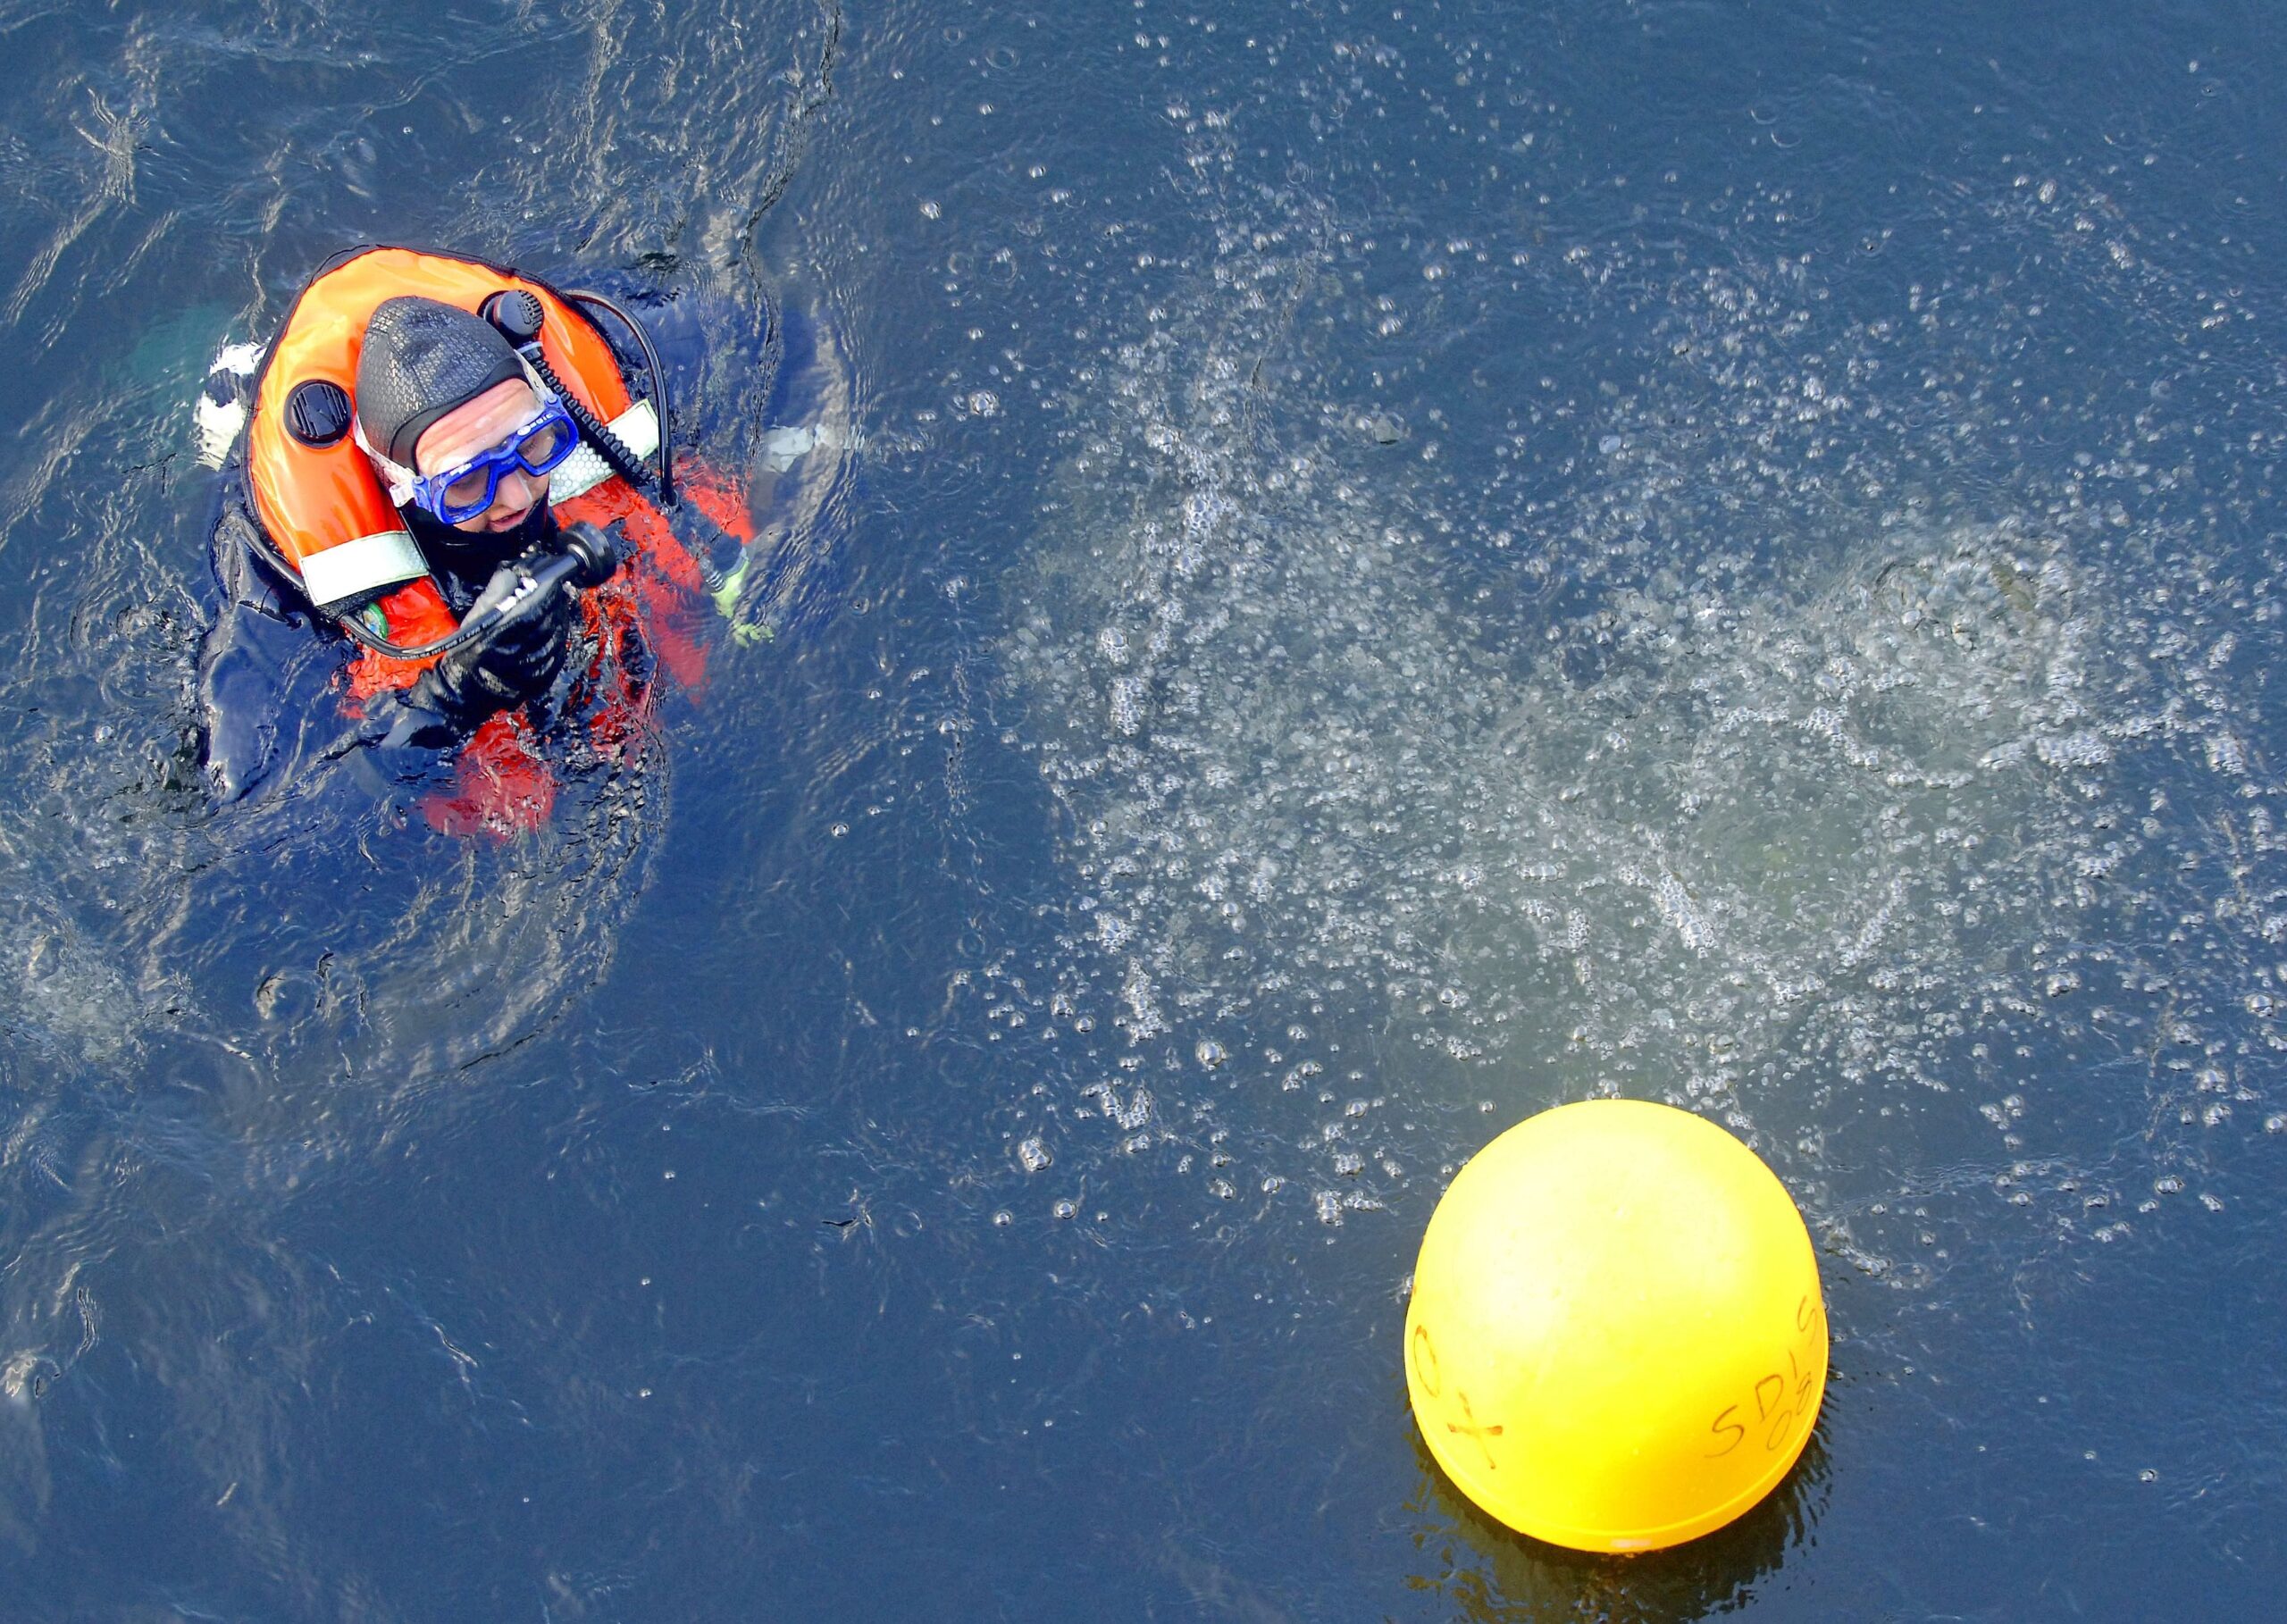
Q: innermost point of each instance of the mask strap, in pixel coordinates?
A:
(540, 386)
(402, 480)
(403, 483)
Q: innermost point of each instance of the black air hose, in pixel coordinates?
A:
(659, 377)
(587, 559)
(517, 313)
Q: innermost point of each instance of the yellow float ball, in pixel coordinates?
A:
(1616, 1340)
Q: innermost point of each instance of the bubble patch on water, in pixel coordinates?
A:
(1813, 757)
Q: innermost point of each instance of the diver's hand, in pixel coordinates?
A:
(722, 561)
(525, 653)
(719, 554)
(516, 663)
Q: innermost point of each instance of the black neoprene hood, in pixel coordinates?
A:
(421, 360)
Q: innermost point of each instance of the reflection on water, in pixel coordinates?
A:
(1490, 1574)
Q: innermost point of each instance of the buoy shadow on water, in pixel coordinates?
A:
(1489, 1573)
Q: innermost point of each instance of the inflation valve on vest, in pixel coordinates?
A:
(596, 552)
(589, 559)
(515, 313)
(318, 413)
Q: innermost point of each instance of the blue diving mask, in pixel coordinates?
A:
(463, 492)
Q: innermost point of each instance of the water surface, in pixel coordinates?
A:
(1376, 569)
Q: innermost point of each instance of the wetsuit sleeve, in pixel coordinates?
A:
(262, 678)
(262, 684)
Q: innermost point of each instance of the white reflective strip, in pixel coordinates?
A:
(585, 469)
(352, 569)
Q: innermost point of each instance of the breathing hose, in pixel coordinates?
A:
(517, 313)
(589, 559)
(659, 377)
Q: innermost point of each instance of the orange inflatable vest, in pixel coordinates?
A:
(320, 503)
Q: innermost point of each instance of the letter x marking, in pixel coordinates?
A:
(1470, 1428)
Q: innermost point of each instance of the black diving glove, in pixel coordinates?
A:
(517, 663)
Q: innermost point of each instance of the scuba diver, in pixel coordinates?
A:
(444, 462)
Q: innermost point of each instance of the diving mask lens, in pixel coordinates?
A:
(539, 446)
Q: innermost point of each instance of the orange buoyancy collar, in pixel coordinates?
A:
(319, 498)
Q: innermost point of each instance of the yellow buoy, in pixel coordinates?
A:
(1616, 1340)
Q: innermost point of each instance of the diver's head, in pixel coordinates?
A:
(451, 417)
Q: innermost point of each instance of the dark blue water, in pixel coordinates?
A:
(1370, 570)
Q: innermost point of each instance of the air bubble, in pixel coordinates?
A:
(1793, 792)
